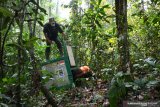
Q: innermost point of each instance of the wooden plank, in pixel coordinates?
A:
(70, 55)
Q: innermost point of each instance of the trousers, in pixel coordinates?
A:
(48, 48)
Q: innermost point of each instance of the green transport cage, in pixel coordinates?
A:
(60, 69)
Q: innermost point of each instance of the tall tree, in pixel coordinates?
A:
(36, 74)
(122, 35)
(1, 61)
(57, 5)
(19, 56)
(50, 9)
(5, 23)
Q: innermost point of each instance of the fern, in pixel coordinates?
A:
(116, 92)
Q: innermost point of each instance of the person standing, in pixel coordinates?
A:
(51, 30)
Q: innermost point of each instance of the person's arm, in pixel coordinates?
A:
(61, 31)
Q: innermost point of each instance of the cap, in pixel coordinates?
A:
(51, 19)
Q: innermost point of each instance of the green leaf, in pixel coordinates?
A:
(34, 10)
(3, 105)
(154, 1)
(3, 1)
(87, 22)
(5, 97)
(4, 79)
(119, 74)
(41, 9)
(66, 6)
(15, 45)
(130, 27)
(155, 20)
(5, 12)
(152, 83)
(6, 21)
(106, 6)
(14, 4)
(135, 87)
(40, 23)
(114, 30)
(102, 12)
(29, 43)
(128, 85)
(111, 16)
(41, 16)
(15, 75)
(150, 61)
(116, 92)
(3, 30)
(18, 47)
(97, 22)
(106, 20)
(99, 2)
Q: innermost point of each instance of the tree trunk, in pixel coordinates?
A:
(20, 58)
(50, 9)
(36, 74)
(142, 6)
(93, 44)
(57, 7)
(142, 9)
(74, 10)
(1, 41)
(1, 56)
(122, 26)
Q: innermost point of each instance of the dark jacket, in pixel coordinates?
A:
(52, 30)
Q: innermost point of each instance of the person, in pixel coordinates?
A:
(51, 30)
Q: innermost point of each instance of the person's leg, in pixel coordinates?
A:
(48, 50)
(59, 45)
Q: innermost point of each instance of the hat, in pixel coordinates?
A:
(51, 19)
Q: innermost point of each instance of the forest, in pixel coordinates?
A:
(117, 40)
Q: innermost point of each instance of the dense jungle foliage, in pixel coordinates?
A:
(118, 39)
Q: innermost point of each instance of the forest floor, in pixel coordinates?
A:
(91, 94)
(94, 93)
